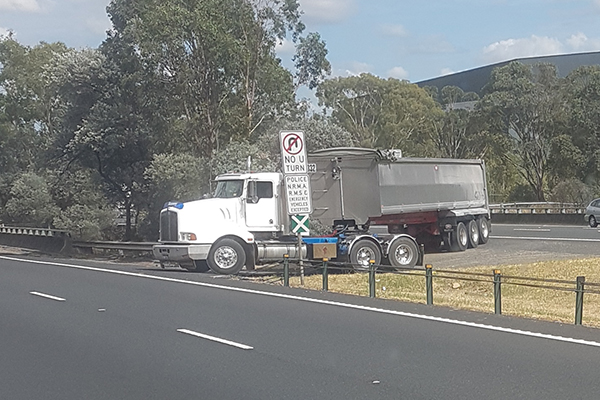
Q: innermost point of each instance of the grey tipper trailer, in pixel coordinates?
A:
(437, 201)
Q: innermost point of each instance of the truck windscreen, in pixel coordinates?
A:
(229, 189)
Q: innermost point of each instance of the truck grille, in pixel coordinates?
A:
(168, 226)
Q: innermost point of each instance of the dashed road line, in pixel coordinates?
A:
(47, 296)
(215, 339)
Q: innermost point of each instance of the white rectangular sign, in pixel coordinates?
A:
(293, 152)
(297, 188)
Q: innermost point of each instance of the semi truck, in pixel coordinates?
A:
(377, 205)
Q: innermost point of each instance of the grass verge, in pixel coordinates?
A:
(550, 302)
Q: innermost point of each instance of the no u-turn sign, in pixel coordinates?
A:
(293, 152)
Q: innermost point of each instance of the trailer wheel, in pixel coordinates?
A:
(226, 257)
(484, 230)
(459, 238)
(473, 233)
(362, 252)
(403, 252)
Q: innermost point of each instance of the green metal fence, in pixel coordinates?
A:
(579, 287)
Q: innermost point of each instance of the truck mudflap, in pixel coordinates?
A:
(180, 252)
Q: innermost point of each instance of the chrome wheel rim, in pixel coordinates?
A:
(403, 255)
(462, 236)
(364, 255)
(474, 232)
(484, 229)
(226, 257)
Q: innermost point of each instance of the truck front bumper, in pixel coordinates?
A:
(180, 252)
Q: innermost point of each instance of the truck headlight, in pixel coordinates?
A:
(188, 236)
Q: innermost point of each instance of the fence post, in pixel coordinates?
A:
(325, 276)
(286, 270)
(497, 292)
(372, 278)
(429, 283)
(579, 300)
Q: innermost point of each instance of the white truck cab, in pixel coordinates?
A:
(225, 226)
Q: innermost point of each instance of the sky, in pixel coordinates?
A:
(405, 39)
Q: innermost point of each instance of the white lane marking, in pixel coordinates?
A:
(532, 229)
(547, 239)
(215, 339)
(319, 301)
(47, 296)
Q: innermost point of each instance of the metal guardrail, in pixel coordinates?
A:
(105, 245)
(579, 287)
(60, 241)
(537, 208)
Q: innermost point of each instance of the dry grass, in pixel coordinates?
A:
(448, 290)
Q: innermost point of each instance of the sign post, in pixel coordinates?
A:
(297, 185)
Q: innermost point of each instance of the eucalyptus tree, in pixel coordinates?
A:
(529, 107)
(30, 120)
(216, 61)
(28, 104)
(584, 121)
(382, 113)
(455, 133)
(310, 60)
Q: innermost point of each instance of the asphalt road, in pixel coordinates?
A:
(72, 331)
(514, 244)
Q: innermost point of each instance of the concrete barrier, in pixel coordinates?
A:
(46, 240)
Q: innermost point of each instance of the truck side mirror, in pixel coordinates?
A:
(252, 196)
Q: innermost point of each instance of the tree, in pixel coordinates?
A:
(30, 201)
(584, 120)
(29, 109)
(171, 177)
(216, 61)
(84, 210)
(381, 113)
(116, 136)
(311, 61)
(530, 109)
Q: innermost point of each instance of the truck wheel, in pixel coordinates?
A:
(484, 230)
(403, 253)
(226, 257)
(593, 222)
(459, 239)
(362, 252)
(473, 233)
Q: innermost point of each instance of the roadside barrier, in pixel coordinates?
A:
(42, 239)
(538, 213)
(495, 279)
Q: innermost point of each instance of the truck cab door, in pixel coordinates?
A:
(262, 211)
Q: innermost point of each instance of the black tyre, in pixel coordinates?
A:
(226, 257)
(459, 238)
(403, 252)
(362, 252)
(593, 222)
(484, 230)
(473, 228)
